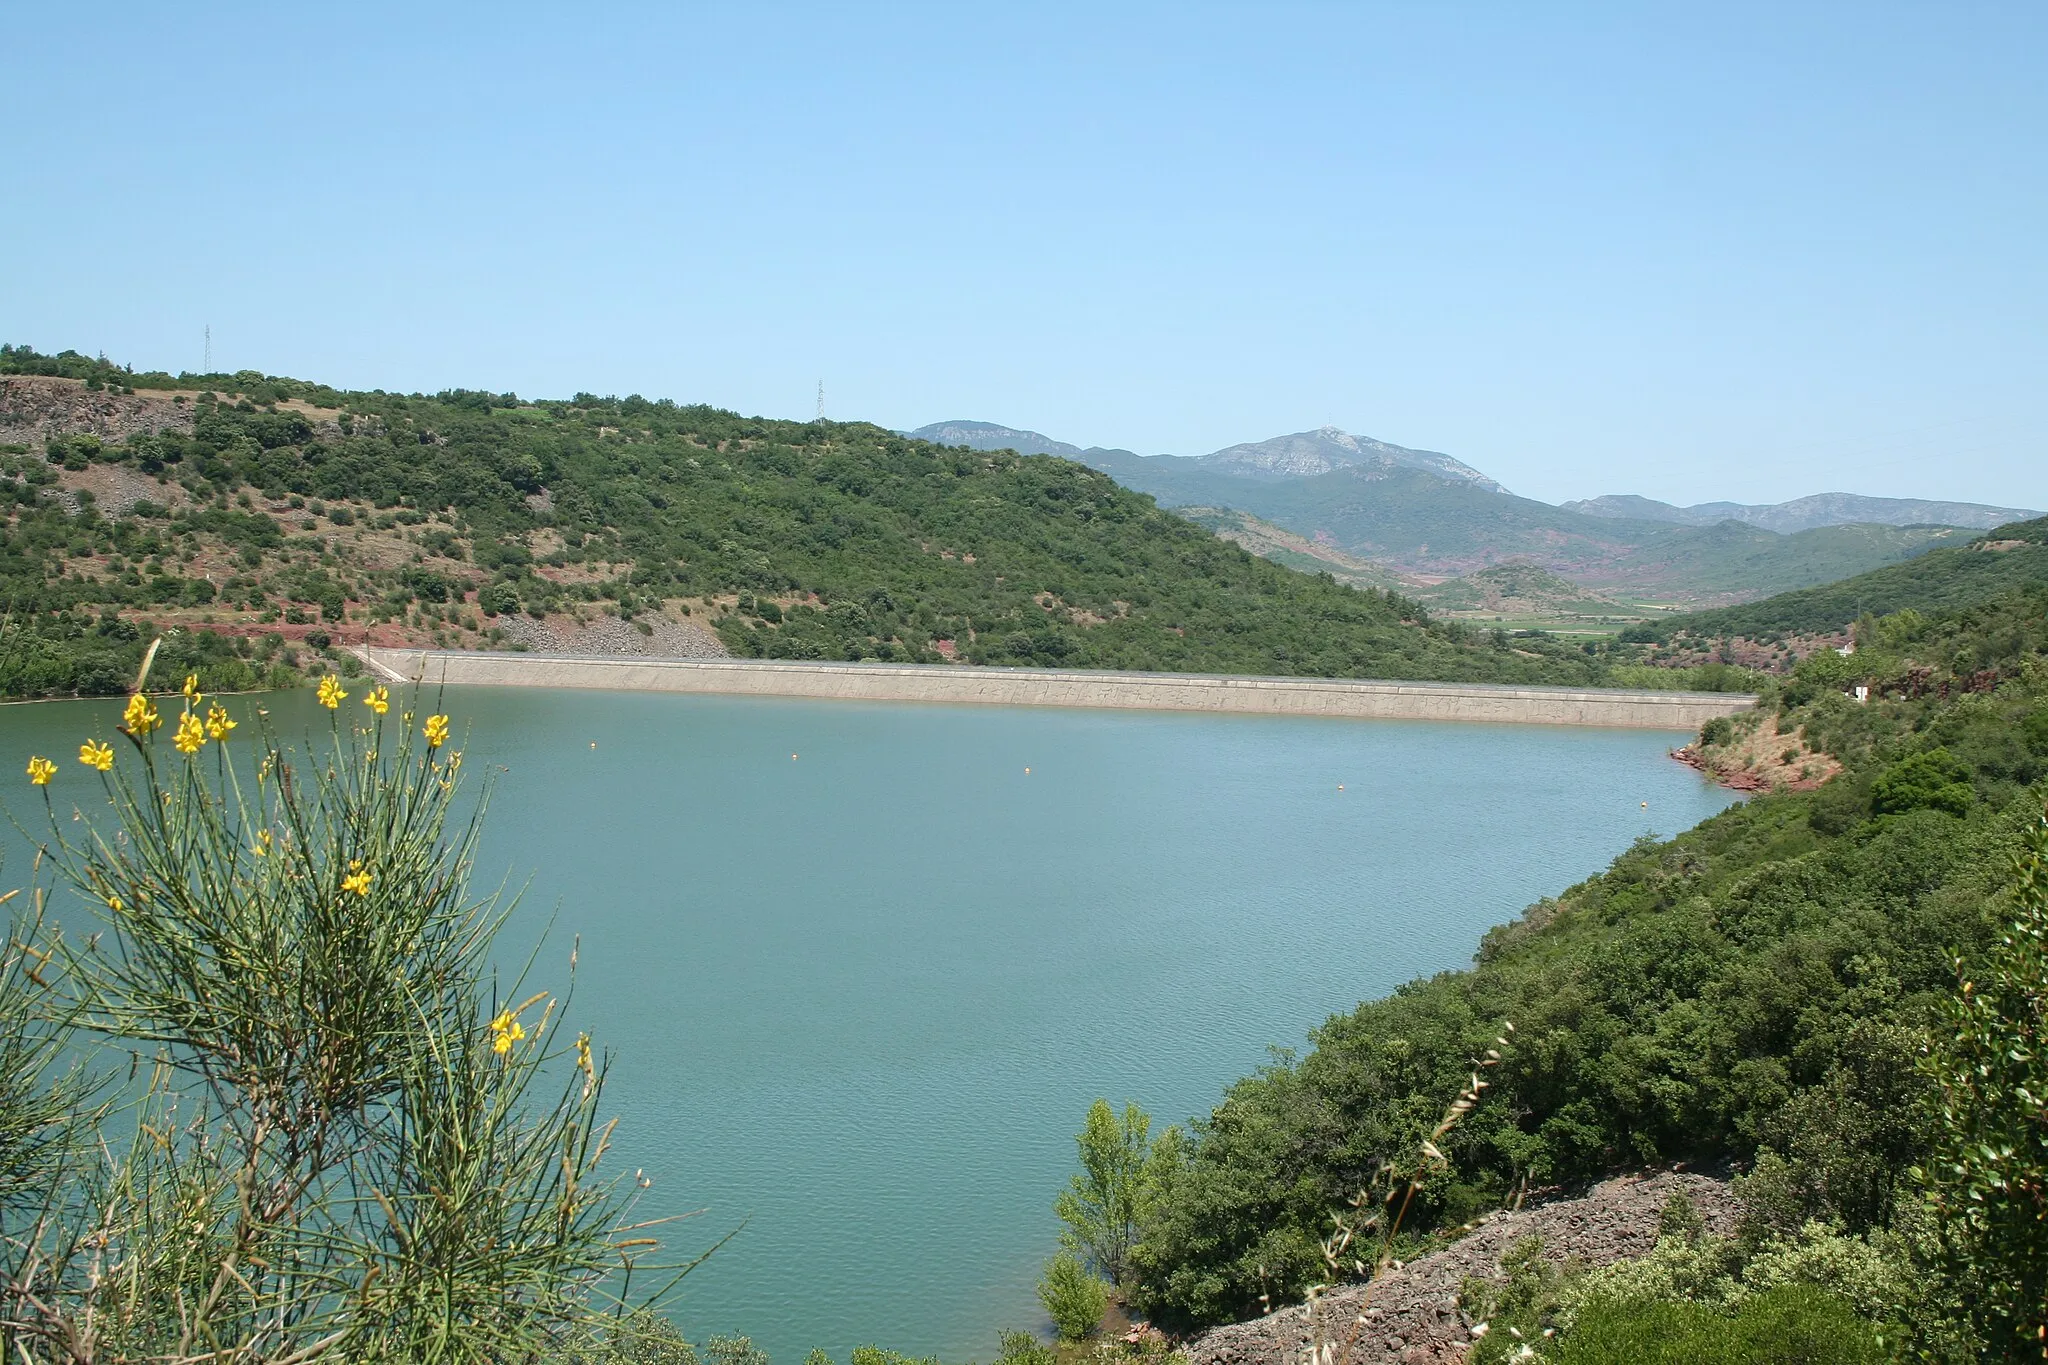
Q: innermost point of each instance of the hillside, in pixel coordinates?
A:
(1731, 560)
(1944, 579)
(1520, 590)
(248, 505)
(1284, 547)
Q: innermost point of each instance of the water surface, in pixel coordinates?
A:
(865, 965)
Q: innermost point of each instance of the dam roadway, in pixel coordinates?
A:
(1508, 703)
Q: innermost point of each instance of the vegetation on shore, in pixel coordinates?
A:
(1775, 988)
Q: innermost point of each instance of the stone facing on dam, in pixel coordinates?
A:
(1049, 687)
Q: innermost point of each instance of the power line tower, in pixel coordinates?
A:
(821, 400)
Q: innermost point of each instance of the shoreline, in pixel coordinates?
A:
(1500, 703)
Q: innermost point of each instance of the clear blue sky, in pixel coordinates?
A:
(1693, 251)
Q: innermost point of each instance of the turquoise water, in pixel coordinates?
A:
(862, 996)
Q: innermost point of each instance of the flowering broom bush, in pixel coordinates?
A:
(301, 1124)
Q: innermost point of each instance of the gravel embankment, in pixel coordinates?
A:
(609, 635)
(1411, 1316)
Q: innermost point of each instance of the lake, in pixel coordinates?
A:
(865, 965)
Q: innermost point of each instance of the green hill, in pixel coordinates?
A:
(1519, 589)
(1949, 578)
(274, 501)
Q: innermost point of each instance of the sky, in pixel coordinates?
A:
(1695, 252)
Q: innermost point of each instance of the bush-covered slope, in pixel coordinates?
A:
(796, 540)
(1946, 579)
(1758, 982)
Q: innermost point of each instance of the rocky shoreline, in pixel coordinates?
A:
(1411, 1316)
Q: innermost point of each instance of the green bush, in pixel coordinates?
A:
(1021, 1348)
(1796, 1325)
(876, 1355)
(1934, 780)
(1074, 1299)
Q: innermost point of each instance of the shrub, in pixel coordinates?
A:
(1796, 1325)
(1989, 1175)
(1074, 1299)
(350, 1146)
(1934, 780)
(1021, 1348)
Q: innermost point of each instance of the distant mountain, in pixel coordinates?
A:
(1803, 514)
(992, 436)
(1731, 560)
(1329, 501)
(1305, 454)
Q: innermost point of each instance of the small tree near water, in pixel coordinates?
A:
(1073, 1298)
(1103, 1203)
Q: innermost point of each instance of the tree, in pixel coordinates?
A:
(1102, 1205)
(1989, 1177)
(1073, 1298)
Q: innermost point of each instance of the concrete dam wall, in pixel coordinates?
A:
(1505, 703)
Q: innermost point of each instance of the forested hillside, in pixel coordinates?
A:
(268, 500)
(1759, 988)
(1946, 579)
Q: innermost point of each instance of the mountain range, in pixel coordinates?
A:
(1374, 508)
(1803, 514)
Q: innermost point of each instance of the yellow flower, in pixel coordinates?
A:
(191, 687)
(191, 735)
(357, 880)
(505, 1031)
(378, 700)
(217, 722)
(94, 755)
(436, 731)
(141, 716)
(331, 694)
(41, 770)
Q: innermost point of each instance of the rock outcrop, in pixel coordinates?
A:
(35, 407)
